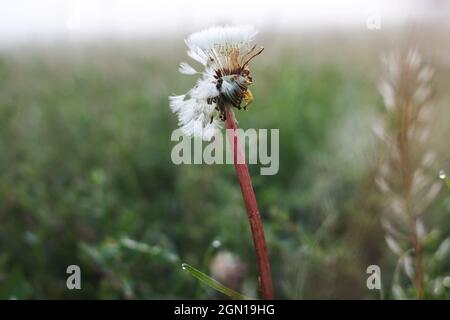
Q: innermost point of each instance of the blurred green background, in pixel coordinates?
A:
(86, 176)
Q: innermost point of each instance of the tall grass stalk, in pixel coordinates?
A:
(403, 176)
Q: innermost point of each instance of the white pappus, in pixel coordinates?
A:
(224, 53)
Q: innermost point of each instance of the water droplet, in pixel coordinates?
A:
(442, 175)
(216, 243)
(184, 266)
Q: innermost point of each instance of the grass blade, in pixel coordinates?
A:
(213, 283)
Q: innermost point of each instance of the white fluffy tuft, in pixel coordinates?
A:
(194, 116)
(217, 36)
(185, 68)
(196, 112)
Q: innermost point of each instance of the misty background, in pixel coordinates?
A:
(85, 170)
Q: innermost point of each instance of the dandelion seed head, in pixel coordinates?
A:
(224, 53)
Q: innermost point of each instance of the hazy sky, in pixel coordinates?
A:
(36, 20)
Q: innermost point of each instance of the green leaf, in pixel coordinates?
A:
(213, 283)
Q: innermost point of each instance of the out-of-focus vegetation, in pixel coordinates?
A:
(86, 176)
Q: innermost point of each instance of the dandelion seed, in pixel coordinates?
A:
(186, 69)
(225, 53)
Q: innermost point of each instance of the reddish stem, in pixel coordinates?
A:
(265, 277)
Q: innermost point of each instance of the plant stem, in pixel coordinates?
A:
(265, 277)
(407, 176)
